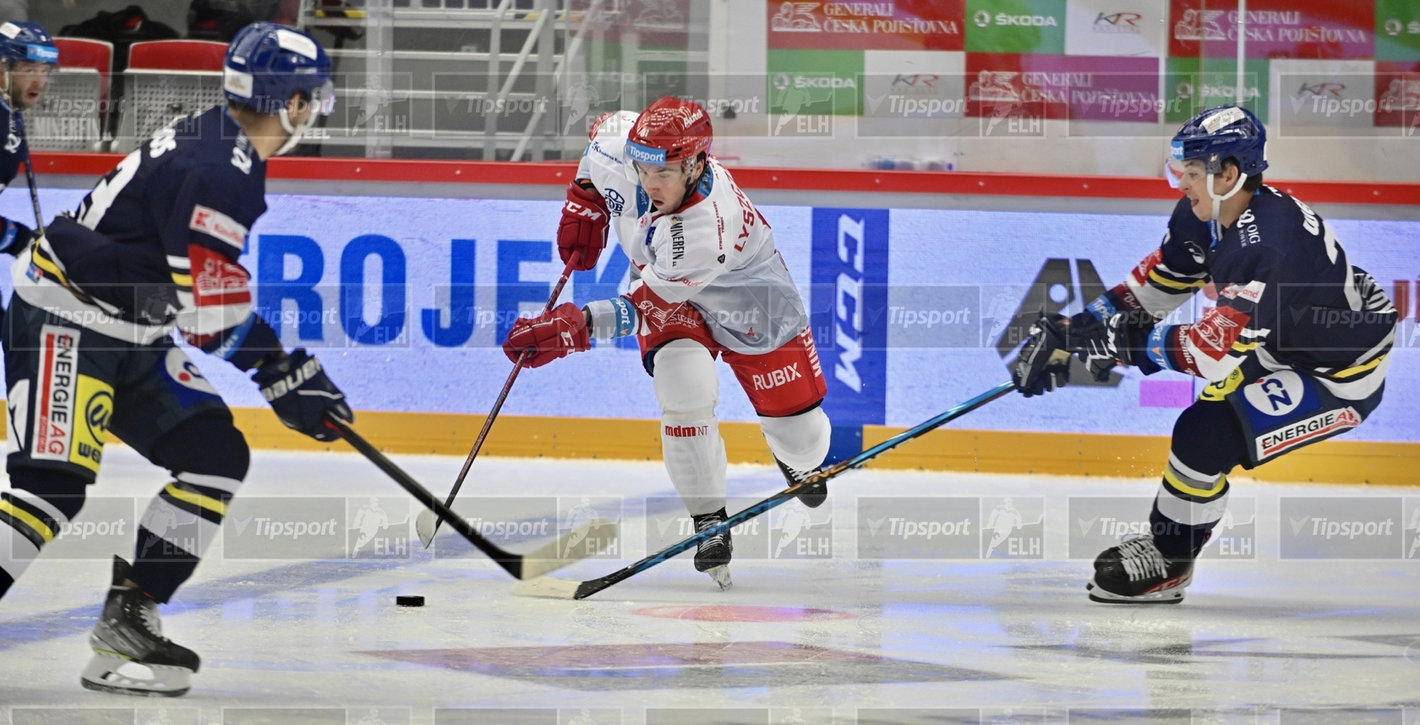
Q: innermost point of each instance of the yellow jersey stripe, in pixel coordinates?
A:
(29, 519)
(1179, 484)
(1163, 281)
(196, 499)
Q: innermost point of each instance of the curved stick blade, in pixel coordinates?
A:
(426, 524)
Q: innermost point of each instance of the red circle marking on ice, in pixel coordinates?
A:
(725, 613)
(184, 377)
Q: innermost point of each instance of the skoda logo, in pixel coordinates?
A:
(781, 81)
(982, 18)
(1392, 26)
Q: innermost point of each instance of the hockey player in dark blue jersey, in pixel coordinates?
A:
(27, 57)
(89, 349)
(1296, 349)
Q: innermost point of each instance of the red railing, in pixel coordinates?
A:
(850, 180)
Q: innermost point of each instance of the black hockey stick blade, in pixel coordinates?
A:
(553, 588)
(550, 557)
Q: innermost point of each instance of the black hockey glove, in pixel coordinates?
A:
(1044, 362)
(302, 396)
(1119, 340)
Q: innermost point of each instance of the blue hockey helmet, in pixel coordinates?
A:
(1218, 134)
(27, 43)
(267, 63)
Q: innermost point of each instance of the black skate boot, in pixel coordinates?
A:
(131, 657)
(1135, 572)
(811, 496)
(712, 555)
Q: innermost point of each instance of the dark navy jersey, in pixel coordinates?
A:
(12, 153)
(156, 241)
(1286, 290)
(14, 150)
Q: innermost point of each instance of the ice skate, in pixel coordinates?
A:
(811, 496)
(712, 555)
(131, 656)
(1135, 572)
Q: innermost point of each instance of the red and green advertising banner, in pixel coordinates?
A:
(884, 25)
(1272, 28)
(1015, 26)
(1193, 84)
(1081, 88)
(1312, 67)
(1397, 30)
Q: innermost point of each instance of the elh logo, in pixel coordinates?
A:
(377, 528)
(1060, 285)
(1235, 536)
(574, 514)
(1013, 527)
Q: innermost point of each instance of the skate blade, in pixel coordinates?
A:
(114, 674)
(721, 575)
(1099, 594)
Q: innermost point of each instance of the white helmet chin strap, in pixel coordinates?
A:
(1218, 203)
(296, 132)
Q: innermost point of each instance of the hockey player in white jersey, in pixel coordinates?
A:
(707, 282)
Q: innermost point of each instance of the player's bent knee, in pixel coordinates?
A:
(1207, 438)
(205, 444)
(685, 379)
(801, 441)
(61, 489)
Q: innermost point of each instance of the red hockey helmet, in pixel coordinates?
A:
(669, 130)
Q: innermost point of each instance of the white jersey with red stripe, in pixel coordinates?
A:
(715, 253)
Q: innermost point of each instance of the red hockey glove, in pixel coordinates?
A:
(583, 227)
(548, 336)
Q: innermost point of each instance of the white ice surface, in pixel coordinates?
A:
(1261, 639)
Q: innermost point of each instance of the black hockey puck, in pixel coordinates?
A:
(409, 600)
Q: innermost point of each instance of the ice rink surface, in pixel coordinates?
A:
(910, 598)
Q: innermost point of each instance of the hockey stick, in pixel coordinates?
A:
(548, 558)
(426, 524)
(30, 174)
(553, 588)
